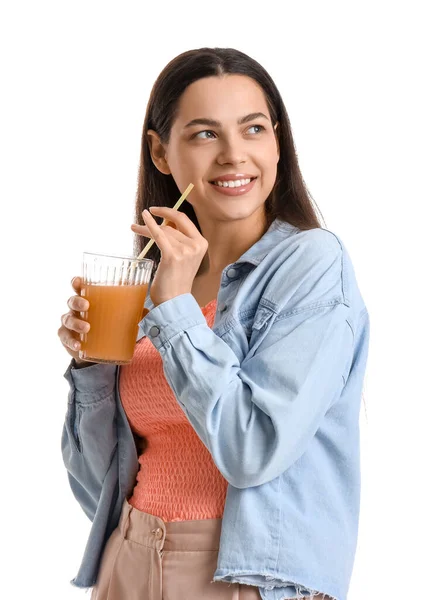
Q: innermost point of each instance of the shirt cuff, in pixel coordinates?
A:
(90, 379)
(172, 317)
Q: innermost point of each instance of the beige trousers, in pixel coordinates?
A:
(148, 559)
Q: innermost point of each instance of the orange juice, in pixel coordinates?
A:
(114, 314)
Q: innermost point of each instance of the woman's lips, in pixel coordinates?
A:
(234, 191)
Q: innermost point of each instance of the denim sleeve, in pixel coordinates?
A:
(89, 440)
(256, 417)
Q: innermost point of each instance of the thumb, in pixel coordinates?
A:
(77, 284)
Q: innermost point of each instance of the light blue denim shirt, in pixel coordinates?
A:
(273, 390)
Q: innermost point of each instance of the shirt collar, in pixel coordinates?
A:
(278, 230)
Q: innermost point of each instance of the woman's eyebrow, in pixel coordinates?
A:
(213, 123)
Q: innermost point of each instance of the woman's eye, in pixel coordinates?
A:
(209, 135)
(256, 128)
(203, 135)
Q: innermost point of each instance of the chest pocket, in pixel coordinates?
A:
(263, 320)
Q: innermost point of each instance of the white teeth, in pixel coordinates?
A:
(231, 184)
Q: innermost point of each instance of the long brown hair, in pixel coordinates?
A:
(289, 200)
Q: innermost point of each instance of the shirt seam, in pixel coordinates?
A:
(101, 397)
(314, 306)
(342, 276)
(167, 340)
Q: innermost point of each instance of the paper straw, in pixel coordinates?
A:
(176, 207)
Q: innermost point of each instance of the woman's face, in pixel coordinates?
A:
(221, 138)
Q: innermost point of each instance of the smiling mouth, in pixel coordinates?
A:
(235, 183)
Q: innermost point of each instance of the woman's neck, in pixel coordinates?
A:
(228, 240)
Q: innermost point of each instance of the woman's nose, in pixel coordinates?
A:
(232, 152)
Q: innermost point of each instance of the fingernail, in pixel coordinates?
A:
(75, 345)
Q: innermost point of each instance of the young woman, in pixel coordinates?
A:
(223, 462)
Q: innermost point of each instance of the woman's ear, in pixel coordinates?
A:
(157, 151)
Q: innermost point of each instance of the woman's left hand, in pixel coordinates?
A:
(182, 250)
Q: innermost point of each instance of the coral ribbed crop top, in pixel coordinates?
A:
(177, 478)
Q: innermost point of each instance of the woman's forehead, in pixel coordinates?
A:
(221, 98)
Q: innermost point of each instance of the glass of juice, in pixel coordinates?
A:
(116, 288)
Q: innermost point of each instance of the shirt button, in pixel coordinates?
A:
(154, 331)
(158, 533)
(231, 273)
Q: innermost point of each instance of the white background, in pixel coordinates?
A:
(76, 78)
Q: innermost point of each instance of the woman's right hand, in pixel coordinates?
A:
(72, 324)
